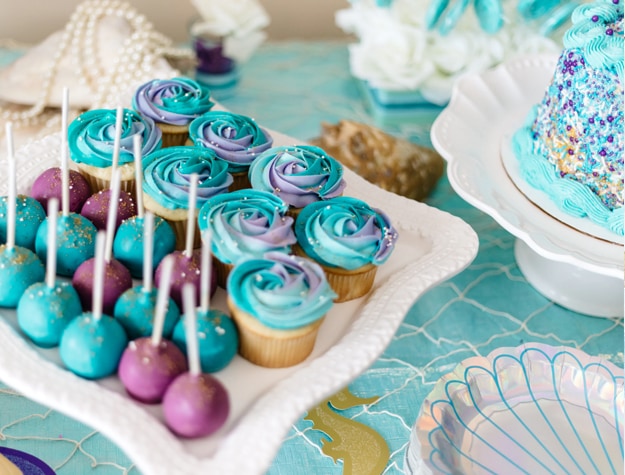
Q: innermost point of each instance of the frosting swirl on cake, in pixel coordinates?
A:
(281, 291)
(598, 31)
(175, 101)
(345, 232)
(246, 223)
(167, 175)
(300, 174)
(91, 137)
(235, 138)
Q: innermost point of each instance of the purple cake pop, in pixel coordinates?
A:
(149, 365)
(50, 185)
(195, 404)
(96, 208)
(117, 278)
(146, 369)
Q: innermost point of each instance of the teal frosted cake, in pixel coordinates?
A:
(571, 146)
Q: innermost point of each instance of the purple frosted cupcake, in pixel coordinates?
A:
(299, 174)
(236, 139)
(172, 104)
(349, 239)
(245, 223)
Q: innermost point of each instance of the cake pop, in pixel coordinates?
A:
(50, 185)
(75, 240)
(187, 266)
(117, 278)
(92, 343)
(46, 308)
(29, 215)
(150, 364)
(97, 205)
(195, 404)
(135, 307)
(19, 266)
(218, 339)
(128, 244)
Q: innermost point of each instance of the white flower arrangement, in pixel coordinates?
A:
(239, 23)
(396, 52)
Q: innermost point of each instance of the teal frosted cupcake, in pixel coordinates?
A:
(172, 104)
(245, 223)
(167, 179)
(278, 303)
(299, 174)
(235, 138)
(91, 138)
(349, 239)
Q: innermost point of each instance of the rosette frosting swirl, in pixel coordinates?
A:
(345, 232)
(167, 175)
(175, 101)
(598, 31)
(246, 223)
(91, 137)
(235, 138)
(280, 290)
(300, 175)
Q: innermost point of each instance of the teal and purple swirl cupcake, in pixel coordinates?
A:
(235, 138)
(91, 139)
(167, 180)
(278, 302)
(245, 223)
(300, 175)
(172, 104)
(349, 239)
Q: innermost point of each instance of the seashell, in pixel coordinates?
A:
(392, 163)
(531, 409)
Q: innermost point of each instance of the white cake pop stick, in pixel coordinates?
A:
(193, 352)
(112, 214)
(12, 197)
(138, 174)
(64, 154)
(148, 249)
(98, 276)
(53, 211)
(118, 137)
(162, 299)
(205, 283)
(191, 218)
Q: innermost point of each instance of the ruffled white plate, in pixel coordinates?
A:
(577, 270)
(531, 409)
(433, 246)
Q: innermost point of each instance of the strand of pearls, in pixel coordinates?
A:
(133, 63)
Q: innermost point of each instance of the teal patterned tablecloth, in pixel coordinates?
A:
(292, 87)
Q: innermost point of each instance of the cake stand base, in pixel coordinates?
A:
(570, 286)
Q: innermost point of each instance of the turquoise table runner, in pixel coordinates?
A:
(293, 87)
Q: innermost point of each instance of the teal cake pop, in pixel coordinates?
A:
(136, 306)
(28, 216)
(92, 343)
(128, 243)
(19, 266)
(217, 335)
(46, 308)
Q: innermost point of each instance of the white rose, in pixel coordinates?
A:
(392, 59)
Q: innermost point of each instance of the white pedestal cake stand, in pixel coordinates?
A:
(579, 271)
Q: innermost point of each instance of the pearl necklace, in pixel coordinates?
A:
(132, 65)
